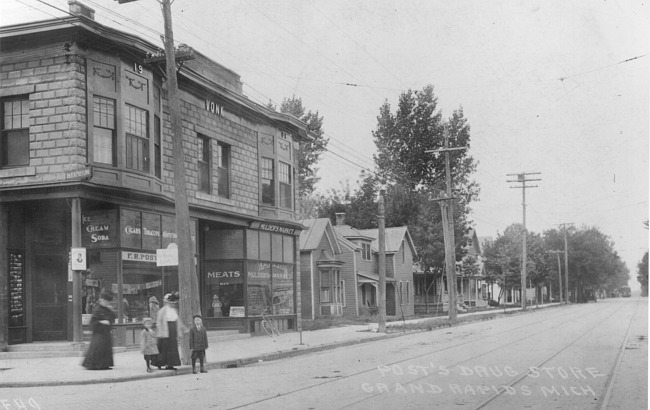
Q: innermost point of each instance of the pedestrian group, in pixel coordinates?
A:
(159, 347)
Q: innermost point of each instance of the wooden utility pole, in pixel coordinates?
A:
(566, 260)
(382, 264)
(521, 179)
(559, 270)
(447, 209)
(187, 280)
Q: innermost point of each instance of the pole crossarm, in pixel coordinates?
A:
(445, 149)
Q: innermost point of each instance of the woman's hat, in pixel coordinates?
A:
(153, 299)
(171, 297)
(146, 319)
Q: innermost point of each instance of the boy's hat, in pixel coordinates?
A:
(199, 316)
(146, 319)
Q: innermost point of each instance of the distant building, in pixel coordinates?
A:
(471, 289)
(340, 272)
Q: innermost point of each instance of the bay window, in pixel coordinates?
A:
(285, 186)
(104, 130)
(136, 125)
(268, 181)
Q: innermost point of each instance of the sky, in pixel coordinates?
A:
(551, 87)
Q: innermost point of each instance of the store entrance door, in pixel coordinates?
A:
(50, 298)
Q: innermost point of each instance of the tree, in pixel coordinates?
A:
(642, 274)
(412, 176)
(310, 152)
(593, 262)
(503, 258)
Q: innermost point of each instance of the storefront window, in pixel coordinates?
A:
(259, 288)
(141, 284)
(282, 289)
(225, 280)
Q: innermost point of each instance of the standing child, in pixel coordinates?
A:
(198, 343)
(148, 343)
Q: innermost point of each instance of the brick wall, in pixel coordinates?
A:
(57, 99)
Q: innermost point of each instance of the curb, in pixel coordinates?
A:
(225, 364)
(222, 364)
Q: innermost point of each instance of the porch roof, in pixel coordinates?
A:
(366, 277)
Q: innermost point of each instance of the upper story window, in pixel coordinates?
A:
(285, 186)
(204, 164)
(365, 252)
(136, 126)
(14, 147)
(268, 182)
(157, 136)
(223, 165)
(104, 130)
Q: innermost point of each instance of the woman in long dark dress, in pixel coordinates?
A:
(100, 352)
(168, 328)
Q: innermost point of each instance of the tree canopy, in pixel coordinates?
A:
(593, 262)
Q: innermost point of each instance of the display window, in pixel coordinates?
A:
(224, 284)
(143, 287)
(259, 288)
(261, 280)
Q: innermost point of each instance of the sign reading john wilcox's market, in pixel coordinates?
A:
(263, 226)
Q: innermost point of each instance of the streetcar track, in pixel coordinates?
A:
(344, 377)
(474, 357)
(549, 358)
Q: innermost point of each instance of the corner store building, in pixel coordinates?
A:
(85, 140)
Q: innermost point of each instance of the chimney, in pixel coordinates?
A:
(340, 218)
(79, 9)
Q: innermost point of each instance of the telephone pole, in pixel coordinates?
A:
(382, 264)
(447, 209)
(187, 280)
(566, 260)
(559, 270)
(522, 178)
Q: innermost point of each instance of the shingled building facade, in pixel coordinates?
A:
(86, 141)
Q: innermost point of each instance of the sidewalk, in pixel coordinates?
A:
(130, 365)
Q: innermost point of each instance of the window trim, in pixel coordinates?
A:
(223, 152)
(204, 164)
(113, 130)
(23, 131)
(366, 251)
(263, 172)
(146, 158)
(285, 202)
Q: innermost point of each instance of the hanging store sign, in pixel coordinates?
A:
(138, 256)
(262, 226)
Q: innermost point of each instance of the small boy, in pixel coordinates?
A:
(198, 343)
(148, 343)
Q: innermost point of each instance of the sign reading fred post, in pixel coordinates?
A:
(167, 256)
